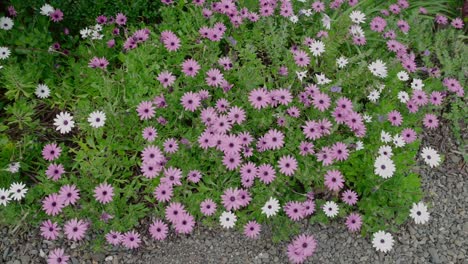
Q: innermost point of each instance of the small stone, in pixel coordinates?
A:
(109, 258)
(25, 259)
(42, 253)
(74, 261)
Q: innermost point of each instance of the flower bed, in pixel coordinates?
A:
(237, 114)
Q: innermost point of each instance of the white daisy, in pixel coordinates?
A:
(403, 76)
(97, 119)
(367, 118)
(357, 17)
(64, 122)
(398, 141)
(317, 47)
(46, 10)
(294, 19)
(42, 91)
(359, 145)
(419, 213)
(227, 220)
(417, 84)
(431, 157)
(18, 191)
(386, 151)
(378, 68)
(384, 167)
(385, 136)
(307, 12)
(342, 62)
(4, 53)
(13, 167)
(380, 87)
(403, 97)
(4, 197)
(330, 208)
(382, 241)
(85, 32)
(326, 21)
(356, 31)
(322, 79)
(301, 75)
(271, 207)
(374, 96)
(6, 23)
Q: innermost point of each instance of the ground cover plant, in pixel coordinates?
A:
(234, 113)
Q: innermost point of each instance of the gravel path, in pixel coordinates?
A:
(443, 240)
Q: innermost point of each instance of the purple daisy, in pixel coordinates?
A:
(266, 173)
(287, 165)
(69, 194)
(214, 77)
(194, 176)
(252, 229)
(131, 239)
(104, 193)
(49, 230)
(57, 256)
(146, 110)
(166, 78)
(75, 229)
(190, 101)
(184, 223)
(353, 222)
(208, 207)
(114, 238)
(190, 67)
(334, 180)
(158, 230)
(173, 212)
(349, 197)
(163, 192)
(294, 210)
(171, 145)
(55, 171)
(152, 154)
(51, 152)
(230, 199)
(52, 204)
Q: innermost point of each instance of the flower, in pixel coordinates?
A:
(294, 210)
(184, 223)
(190, 67)
(52, 204)
(287, 165)
(431, 157)
(382, 241)
(334, 180)
(42, 91)
(54, 171)
(342, 62)
(96, 62)
(64, 122)
(208, 207)
(104, 193)
(403, 76)
(97, 119)
(49, 230)
(349, 197)
(190, 101)
(149, 133)
(403, 97)
(227, 220)
(13, 167)
(56, 15)
(430, 121)
(419, 213)
(6, 23)
(230, 199)
(57, 256)
(330, 209)
(353, 222)
(317, 48)
(69, 194)
(114, 238)
(166, 78)
(252, 229)
(46, 10)
(4, 197)
(378, 68)
(131, 239)
(51, 152)
(158, 230)
(271, 207)
(4, 53)
(75, 229)
(214, 77)
(146, 110)
(18, 191)
(357, 17)
(163, 192)
(259, 98)
(120, 19)
(384, 167)
(301, 247)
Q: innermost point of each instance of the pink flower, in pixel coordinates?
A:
(349, 197)
(149, 134)
(353, 222)
(214, 77)
(50, 230)
(430, 121)
(287, 165)
(57, 256)
(321, 101)
(120, 19)
(318, 6)
(166, 78)
(190, 67)
(114, 238)
(230, 199)
(259, 98)
(232, 160)
(171, 41)
(69, 194)
(409, 135)
(54, 171)
(340, 151)
(96, 62)
(75, 229)
(457, 23)
(194, 176)
(158, 230)
(51, 152)
(172, 176)
(152, 154)
(173, 211)
(208, 207)
(395, 118)
(334, 180)
(252, 229)
(294, 210)
(145, 110)
(301, 58)
(131, 239)
(184, 224)
(163, 192)
(308, 207)
(56, 16)
(190, 101)
(171, 145)
(104, 193)
(266, 173)
(52, 205)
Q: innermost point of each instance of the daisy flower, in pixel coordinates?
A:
(4, 53)
(163, 192)
(56, 16)
(49, 230)
(419, 213)
(334, 180)
(378, 68)
(208, 207)
(403, 76)
(300, 75)
(252, 229)
(294, 210)
(287, 165)
(227, 220)
(190, 67)
(64, 122)
(417, 84)
(349, 197)
(214, 77)
(184, 224)
(330, 209)
(322, 79)
(46, 10)
(230, 199)
(131, 239)
(52, 204)
(166, 78)
(386, 151)
(18, 191)
(58, 256)
(97, 119)
(114, 238)
(259, 98)
(384, 167)
(146, 110)
(317, 48)
(69, 194)
(6, 23)
(171, 145)
(4, 197)
(149, 134)
(158, 230)
(431, 157)
(271, 207)
(104, 193)
(42, 91)
(382, 241)
(403, 97)
(357, 17)
(342, 62)
(353, 222)
(430, 121)
(13, 167)
(75, 229)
